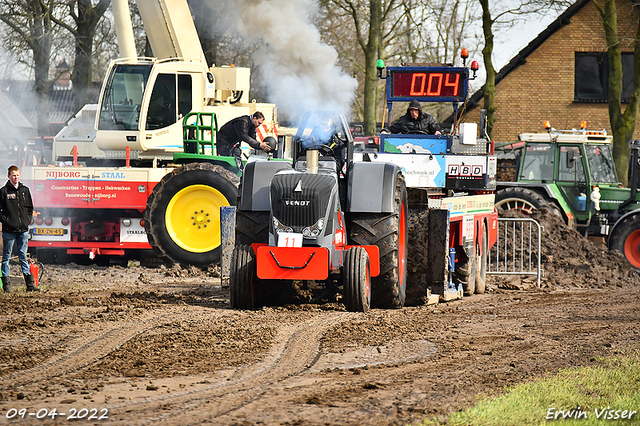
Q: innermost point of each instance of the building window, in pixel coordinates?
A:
(592, 74)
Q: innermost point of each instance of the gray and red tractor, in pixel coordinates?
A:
(322, 217)
(414, 219)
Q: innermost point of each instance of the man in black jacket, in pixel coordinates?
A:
(16, 210)
(414, 121)
(240, 129)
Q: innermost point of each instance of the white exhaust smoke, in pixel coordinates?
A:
(300, 71)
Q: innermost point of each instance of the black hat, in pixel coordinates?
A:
(415, 105)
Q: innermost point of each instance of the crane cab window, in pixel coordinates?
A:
(537, 163)
(121, 103)
(162, 106)
(185, 90)
(570, 167)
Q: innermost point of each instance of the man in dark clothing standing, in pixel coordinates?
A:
(16, 210)
(414, 121)
(236, 131)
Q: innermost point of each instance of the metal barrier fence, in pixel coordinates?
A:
(517, 250)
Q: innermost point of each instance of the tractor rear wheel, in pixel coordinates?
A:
(242, 278)
(182, 218)
(481, 263)
(356, 279)
(626, 239)
(388, 231)
(524, 200)
(251, 226)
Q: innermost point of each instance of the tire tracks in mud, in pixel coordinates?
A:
(90, 349)
(297, 350)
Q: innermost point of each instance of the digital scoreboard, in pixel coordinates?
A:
(432, 84)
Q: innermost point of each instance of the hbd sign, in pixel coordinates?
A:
(462, 170)
(465, 174)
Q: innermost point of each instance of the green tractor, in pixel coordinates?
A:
(571, 173)
(182, 218)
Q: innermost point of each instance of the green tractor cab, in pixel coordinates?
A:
(571, 173)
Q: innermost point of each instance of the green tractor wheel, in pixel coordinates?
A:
(524, 200)
(625, 238)
(182, 218)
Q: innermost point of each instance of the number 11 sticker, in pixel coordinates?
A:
(289, 239)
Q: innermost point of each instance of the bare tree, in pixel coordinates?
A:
(398, 31)
(623, 124)
(86, 16)
(502, 15)
(30, 24)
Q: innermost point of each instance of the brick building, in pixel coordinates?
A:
(561, 75)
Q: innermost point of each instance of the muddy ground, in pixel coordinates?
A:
(162, 346)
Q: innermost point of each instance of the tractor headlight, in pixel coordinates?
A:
(279, 227)
(314, 230)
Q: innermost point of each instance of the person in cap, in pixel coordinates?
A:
(414, 121)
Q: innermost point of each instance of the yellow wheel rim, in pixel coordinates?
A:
(193, 218)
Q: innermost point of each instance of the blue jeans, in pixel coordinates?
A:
(22, 239)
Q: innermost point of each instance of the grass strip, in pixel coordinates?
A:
(608, 394)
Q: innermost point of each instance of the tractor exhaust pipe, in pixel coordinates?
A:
(634, 169)
(312, 161)
(634, 146)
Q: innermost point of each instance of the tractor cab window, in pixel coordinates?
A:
(162, 106)
(537, 162)
(570, 168)
(601, 164)
(122, 98)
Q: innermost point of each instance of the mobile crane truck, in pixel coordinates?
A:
(127, 155)
(571, 173)
(414, 220)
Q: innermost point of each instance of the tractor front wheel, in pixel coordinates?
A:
(356, 278)
(242, 278)
(626, 239)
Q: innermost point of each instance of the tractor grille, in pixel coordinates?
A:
(304, 207)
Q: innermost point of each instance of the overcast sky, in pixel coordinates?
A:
(510, 42)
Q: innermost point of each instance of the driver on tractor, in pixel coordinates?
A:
(414, 121)
(324, 138)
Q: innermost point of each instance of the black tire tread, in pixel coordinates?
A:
(528, 195)
(242, 278)
(252, 227)
(355, 275)
(622, 231)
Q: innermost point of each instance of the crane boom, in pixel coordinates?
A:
(124, 29)
(170, 29)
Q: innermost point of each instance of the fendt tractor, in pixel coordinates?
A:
(412, 221)
(571, 173)
(156, 120)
